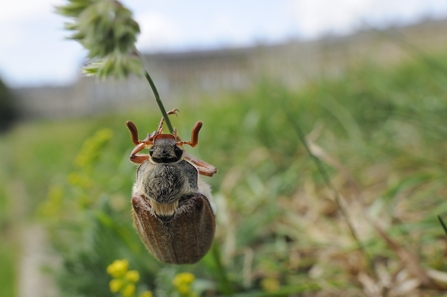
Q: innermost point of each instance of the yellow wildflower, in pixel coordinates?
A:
(51, 206)
(104, 134)
(183, 278)
(115, 285)
(118, 268)
(132, 276)
(73, 178)
(270, 284)
(89, 151)
(146, 294)
(128, 291)
(183, 289)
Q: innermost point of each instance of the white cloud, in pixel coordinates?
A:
(25, 9)
(16, 14)
(157, 31)
(315, 17)
(320, 16)
(33, 48)
(224, 29)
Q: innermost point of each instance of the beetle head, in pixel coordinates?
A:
(165, 149)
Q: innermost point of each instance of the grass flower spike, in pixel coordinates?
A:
(108, 31)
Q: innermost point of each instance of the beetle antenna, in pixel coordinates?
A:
(194, 135)
(133, 132)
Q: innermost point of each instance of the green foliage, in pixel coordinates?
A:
(381, 137)
(108, 32)
(8, 258)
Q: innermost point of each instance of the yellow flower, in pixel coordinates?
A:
(104, 134)
(51, 206)
(132, 276)
(115, 285)
(128, 291)
(146, 294)
(118, 268)
(91, 147)
(73, 178)
(78, 179)
(183, 289)
(183, 278)
(270, 284)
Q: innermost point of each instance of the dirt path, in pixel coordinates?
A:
(33, 281)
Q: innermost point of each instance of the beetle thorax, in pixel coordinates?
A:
(164, 184)
(165, 150)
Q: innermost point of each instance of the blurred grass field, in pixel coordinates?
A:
(379, 132)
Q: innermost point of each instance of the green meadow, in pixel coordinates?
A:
(356, 217)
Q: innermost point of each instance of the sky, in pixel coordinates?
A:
(34, 50)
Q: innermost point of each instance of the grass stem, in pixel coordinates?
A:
(159, 102)
(224, 282)
(442, 224)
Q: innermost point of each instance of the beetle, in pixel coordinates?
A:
(171, 206)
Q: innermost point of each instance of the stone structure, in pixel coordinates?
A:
(187, 74)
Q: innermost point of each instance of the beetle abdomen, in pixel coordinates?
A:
(184, 239)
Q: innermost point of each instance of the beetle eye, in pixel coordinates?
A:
(151, 151)
(178, 152)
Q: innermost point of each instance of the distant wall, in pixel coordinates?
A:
(185, 75)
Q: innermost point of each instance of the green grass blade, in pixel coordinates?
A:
(224, 282)
(442, 224)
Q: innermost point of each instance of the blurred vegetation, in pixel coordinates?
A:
(380, 133)
(8, 242)
(8, 255)
(8, 114)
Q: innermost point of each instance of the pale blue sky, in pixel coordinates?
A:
(33, 50)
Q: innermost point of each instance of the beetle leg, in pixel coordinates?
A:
(138, 159)
(194, 135)
(203, 167)
(160, 126)
(150, 137)
(205, 171)
(133, 132)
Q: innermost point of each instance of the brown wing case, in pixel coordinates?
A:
(185, 238)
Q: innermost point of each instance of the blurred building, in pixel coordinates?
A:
(185, 75)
